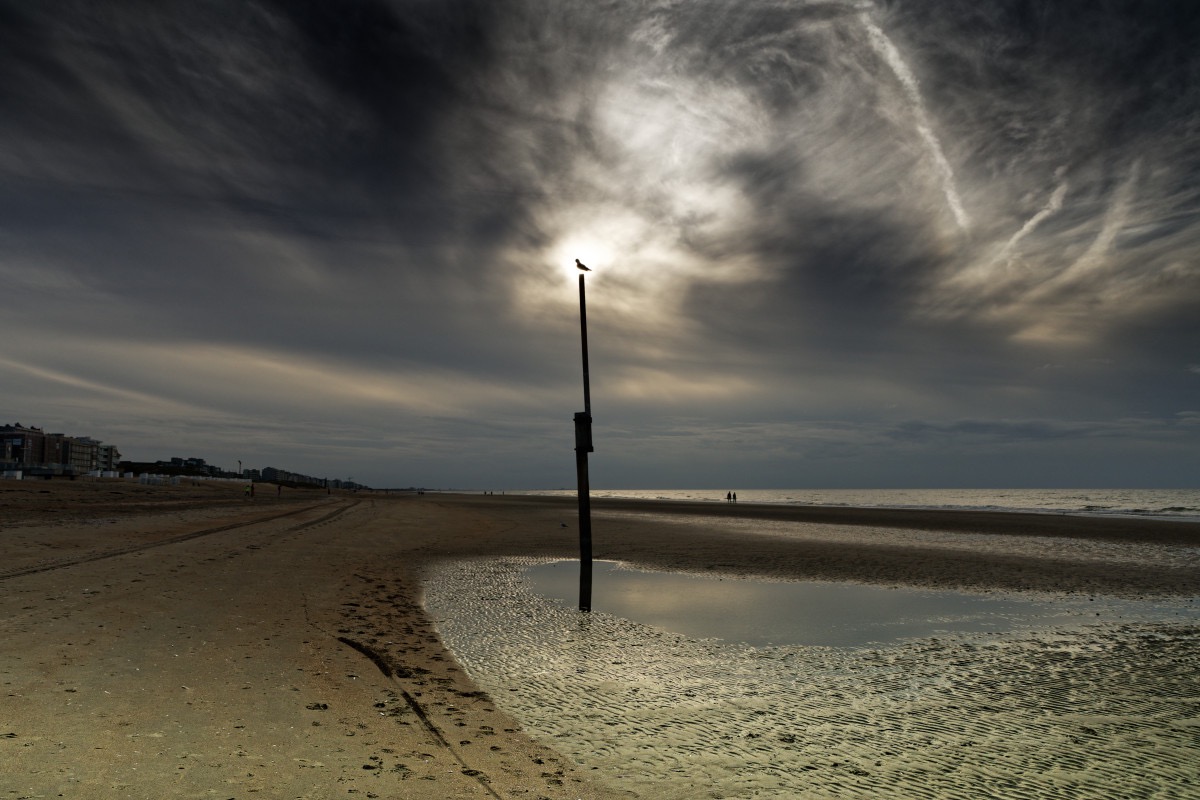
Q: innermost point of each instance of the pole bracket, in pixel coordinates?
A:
(583, 432)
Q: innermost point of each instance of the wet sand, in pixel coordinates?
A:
(186, 641)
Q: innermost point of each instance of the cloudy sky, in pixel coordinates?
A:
(898, 243)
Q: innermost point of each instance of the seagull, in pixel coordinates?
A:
(582, 268)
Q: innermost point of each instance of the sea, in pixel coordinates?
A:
(1181, 504)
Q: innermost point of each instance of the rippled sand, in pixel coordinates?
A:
(1106, 710)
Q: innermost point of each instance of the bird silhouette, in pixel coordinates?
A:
(579, 264)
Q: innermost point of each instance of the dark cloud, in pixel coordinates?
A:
(811, 223)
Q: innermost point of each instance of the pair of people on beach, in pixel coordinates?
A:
(731, 497)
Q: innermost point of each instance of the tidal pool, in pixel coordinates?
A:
(809, 613)
(1090, 700)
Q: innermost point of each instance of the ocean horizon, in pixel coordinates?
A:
(1179, 504)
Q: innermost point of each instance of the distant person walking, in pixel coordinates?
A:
(735, 497)
(729, 497)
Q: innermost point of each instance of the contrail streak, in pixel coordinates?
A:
(1051, 207)
(882, 45)
(1115, 220)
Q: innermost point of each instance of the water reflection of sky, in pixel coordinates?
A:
(826, 614)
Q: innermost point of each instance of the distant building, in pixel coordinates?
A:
(83, 454)
(193, 467)
(34, 451)
(282, 476)
(23, 447)
(57, 453)
(109, 458)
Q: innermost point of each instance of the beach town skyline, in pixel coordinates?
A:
(28, 452)
(22, 455)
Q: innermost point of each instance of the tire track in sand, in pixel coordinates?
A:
(121, 551)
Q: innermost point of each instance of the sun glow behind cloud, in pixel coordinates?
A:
(662, 138)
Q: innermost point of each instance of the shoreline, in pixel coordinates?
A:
(1170, 504)
(914, 548)
(1019, 522)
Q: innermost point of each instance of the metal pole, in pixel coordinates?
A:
(583, 446)
(587, 389)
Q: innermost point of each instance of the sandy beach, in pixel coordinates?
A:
(190, 642)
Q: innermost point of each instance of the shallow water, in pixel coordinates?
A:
(810, 613)
(1183, 504)
(1074, 710)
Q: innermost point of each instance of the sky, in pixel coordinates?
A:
(916, 243)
